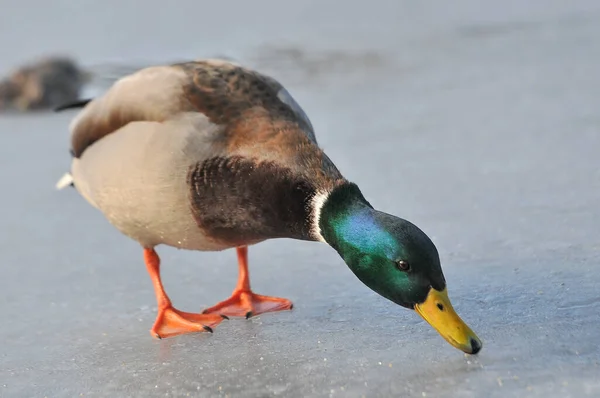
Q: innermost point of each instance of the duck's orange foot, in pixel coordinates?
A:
(247, 303)
(171, 322)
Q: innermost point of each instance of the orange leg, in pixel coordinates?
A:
(243, 301)
(170, 321)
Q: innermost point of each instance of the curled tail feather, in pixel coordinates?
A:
(73, 105)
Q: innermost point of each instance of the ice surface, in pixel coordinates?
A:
(478, 121)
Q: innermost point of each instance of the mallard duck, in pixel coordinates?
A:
(44, 84)
(210, 155)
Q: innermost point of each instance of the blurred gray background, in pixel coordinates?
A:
(476, 120)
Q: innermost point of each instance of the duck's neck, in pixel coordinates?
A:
(347, 222)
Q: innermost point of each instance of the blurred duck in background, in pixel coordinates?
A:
(42, 85)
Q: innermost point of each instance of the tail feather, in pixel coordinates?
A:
(65, 181)
(73, 105)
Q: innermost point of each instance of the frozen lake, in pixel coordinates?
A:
(479, 122)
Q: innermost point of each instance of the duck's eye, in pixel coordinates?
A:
(403, 265)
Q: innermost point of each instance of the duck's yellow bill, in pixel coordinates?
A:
(438, 312)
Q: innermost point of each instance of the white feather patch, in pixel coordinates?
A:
(65, 181)
(317, 204)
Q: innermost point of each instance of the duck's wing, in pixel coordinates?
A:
(254, 116)
(226, 93)
(153, 94)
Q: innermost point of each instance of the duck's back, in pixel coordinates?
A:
(201, 155)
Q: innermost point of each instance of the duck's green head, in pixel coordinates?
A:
(394, 258)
